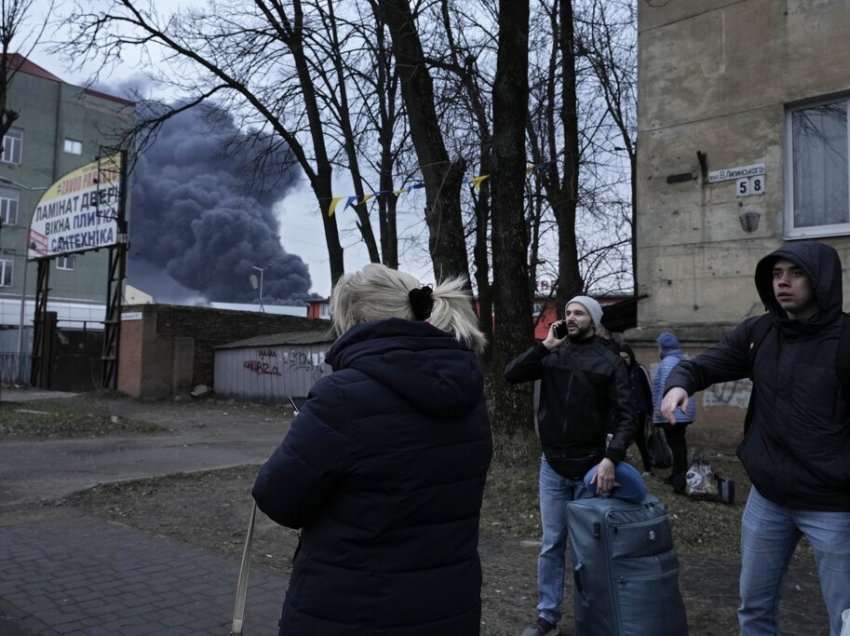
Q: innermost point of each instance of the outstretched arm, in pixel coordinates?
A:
(726, 361)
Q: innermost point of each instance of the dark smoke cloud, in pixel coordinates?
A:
(201, 215)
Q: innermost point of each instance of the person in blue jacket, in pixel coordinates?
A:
(383, 470)
(671, 353)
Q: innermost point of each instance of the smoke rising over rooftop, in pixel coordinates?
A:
(201, 213)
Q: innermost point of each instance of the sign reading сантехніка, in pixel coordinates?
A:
(78, 213)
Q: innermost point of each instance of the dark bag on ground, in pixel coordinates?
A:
(625, 569)
(659, 449)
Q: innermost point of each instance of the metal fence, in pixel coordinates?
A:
(10, 371)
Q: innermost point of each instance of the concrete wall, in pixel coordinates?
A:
(716, 77)
(167, 349)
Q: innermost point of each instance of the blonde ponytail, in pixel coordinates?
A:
(377, 292)
(453, 312)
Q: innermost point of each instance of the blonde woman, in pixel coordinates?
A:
(384, 467)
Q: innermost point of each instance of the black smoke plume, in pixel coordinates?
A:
(201, 212)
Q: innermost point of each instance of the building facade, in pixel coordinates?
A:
(60, 128)
(742, 144)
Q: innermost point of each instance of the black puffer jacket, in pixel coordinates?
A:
(796, 448)
(384, 470)
(584, 386)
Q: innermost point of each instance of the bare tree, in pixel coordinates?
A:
(13, 18)
(464, 91)
(254, 57)
(443, 177)
(608, 41)
(330, 51)
(513, 330)
(385, 133)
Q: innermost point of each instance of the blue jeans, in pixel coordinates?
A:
(555, 492)
(769, 535)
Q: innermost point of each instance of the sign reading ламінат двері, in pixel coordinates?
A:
(78, 213)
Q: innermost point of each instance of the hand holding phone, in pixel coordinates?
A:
(560, 330)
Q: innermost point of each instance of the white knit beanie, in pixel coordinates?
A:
(593, 308)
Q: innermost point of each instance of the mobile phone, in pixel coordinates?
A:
(560, 330)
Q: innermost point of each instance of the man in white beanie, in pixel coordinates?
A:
(584, 387)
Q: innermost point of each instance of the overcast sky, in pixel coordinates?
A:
(300, 223)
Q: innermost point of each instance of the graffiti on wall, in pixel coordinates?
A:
(272, 362)
(261, 367)
(735, 393)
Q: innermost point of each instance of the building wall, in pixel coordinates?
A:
(166, 349)
(270, 373)
(50, 112)
(717, 76)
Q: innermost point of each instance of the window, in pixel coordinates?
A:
(73, 147)
(817, 198)
(67, 262)
(13, 142)
(6, 272)
(9, 200)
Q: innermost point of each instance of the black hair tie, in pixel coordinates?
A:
(421, 302)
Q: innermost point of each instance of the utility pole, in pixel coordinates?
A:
(260, 290)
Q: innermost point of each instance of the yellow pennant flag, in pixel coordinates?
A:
(477, 181)
(332, 207)
(367, 198)
(398, 192)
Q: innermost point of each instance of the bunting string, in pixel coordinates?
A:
(351, 201)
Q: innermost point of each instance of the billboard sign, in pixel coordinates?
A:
(79, 212)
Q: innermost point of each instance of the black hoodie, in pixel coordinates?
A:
(797, 447)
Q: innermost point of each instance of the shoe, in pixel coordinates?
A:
(542, 628)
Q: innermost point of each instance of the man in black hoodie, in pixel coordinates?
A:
(796, 446)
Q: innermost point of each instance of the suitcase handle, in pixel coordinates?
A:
(577, 578)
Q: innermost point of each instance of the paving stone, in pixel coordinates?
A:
(88, 576)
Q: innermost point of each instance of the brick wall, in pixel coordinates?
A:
(213, 327)
(148, 347)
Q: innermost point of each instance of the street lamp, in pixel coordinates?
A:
(255, 286)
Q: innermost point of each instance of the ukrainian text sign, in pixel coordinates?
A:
(78, 213)
(733, 174)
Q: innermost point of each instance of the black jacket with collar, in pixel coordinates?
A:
(584, 387)
(796, 448)
(384, 470)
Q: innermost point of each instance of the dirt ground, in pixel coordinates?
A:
(74, 417)
(210, 509)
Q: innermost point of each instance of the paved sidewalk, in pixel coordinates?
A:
(83, 576)
(31, 395)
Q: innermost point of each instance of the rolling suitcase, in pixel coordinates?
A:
(625, 569)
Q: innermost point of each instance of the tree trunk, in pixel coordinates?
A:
(321, 182)
(321, 185)
(482, 265)
(443, 177)
(513, 329)
(633, 173)
(361, 209)
(569, 278)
